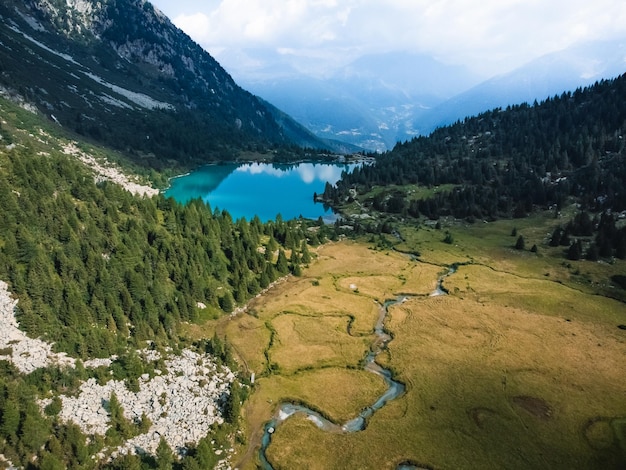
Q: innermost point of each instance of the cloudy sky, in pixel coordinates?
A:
(315, 36)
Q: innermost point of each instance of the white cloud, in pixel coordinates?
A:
(196, 25)
(269, 22)
(493, 35)
(308, 172)
(260, 168)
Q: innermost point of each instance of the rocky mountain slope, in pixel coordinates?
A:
(119, 72)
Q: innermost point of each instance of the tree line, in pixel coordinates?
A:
(96, 269)
(509, 162)
(99, 272)
(591, 238)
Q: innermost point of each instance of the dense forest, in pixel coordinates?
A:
(509, 162)
(79, 254)
(100, 272)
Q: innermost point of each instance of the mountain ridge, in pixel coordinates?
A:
(538, 80)
(412, 95)
(119, 72)
(369, 102)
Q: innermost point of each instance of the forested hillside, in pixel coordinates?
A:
(509, 162)
(101, 272)
(80, 254)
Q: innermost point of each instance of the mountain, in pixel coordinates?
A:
(381, 99)
(510, 162)
(566, 70)
(119, 72)
(305, 138)
(370, 102)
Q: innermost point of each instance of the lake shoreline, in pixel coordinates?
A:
(266, 190)
(339, 160)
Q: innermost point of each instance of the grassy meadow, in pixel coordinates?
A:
(520, 366)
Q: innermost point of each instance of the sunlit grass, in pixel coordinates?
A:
(309, 342)
(467, 366)
(339, 393)
(519, 367)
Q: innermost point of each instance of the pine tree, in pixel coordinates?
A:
(232, 406)
(10, 419)
(50, 461)
(575, 251)
(164, 455)
(227, 303)
(555, 240)
(120, 427)
(297, 270)
(305, 255)
(205, 454)
(294, 259)
(272, 245)
(282, 265)
(264, 279)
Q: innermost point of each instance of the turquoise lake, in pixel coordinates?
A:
(262, 189)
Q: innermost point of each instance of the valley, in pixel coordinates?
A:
(517, 366)
(457, 302)
(516, 363)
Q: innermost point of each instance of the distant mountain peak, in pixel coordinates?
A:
(380, 99)
(552, 74)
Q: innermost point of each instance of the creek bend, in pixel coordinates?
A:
(394, 390)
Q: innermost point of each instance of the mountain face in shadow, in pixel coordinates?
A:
(119, 72)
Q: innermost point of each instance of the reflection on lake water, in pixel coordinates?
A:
(307, 172)
(261, 189)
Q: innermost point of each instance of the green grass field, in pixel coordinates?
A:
(520, 366)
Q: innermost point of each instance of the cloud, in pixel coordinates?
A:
(196, 25)
(271, 23)
(491, 35)
(262, 168)
(307, 172)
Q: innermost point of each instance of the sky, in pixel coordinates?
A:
(315, 37)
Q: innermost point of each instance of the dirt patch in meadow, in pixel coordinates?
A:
(481, 415)
(599, 433)
(535, 406)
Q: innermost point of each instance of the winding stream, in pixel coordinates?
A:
(440, 290)
(394, 390)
